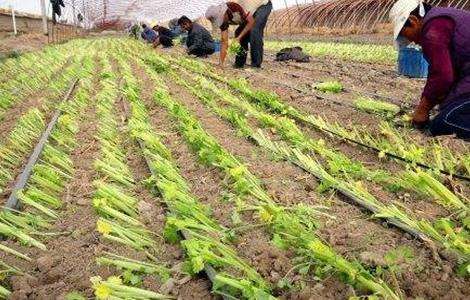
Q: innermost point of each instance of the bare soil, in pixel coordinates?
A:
(22, 43)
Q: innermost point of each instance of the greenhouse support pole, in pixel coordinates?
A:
(13, 20)
(44, 17)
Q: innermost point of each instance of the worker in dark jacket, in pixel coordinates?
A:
(148, 34)
(444, 35)
(199, 41)
(164, 36)
(251, 17)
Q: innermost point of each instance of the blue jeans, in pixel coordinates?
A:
(454, 118)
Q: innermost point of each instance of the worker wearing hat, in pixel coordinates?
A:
(444, 35)
(251, 17)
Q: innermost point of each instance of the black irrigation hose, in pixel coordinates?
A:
(13, 201)
(210, 271)
(372, 209)
(394, 156)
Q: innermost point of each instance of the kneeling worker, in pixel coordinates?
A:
(199, 41)
(251, 17)
(165, 37)
(444, 35)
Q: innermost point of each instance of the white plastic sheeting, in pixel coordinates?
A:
(97, 11)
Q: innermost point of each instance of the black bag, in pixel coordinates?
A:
(295, 53)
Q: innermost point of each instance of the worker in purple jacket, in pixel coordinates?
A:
(444, 35)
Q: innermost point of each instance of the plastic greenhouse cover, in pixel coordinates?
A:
(130, 10)
(148, 10)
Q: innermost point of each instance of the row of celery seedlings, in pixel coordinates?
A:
(291, 227)
(206, 243)
(28, 128)
(41, 198)
(442, 231)
(23, 83)
(118, 214)
(389, 141)
(28, 62)
(25, 62)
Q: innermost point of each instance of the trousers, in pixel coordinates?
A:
(454, 118)
(254, 38)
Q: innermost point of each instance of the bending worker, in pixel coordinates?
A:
(251, 17)
(444, 35)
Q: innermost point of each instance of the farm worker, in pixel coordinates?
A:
(164, 36)
(199, 41)
(251, 17)
(148, 34)
(444, 35)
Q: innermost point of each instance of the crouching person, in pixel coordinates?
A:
(199, 41)
(444, 34)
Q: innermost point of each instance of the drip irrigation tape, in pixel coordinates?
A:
(210, 272)
(13, 201)
(372, 209)
(394, 156)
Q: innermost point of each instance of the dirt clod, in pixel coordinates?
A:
(83, 201)
(19, 295)
(53, 276)
(20, 283)
(44, 263)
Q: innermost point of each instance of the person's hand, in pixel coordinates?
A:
(421, 114)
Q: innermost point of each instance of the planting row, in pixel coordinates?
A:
(353, 52)
(27, 129)
(33, 74)
(41, 198)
